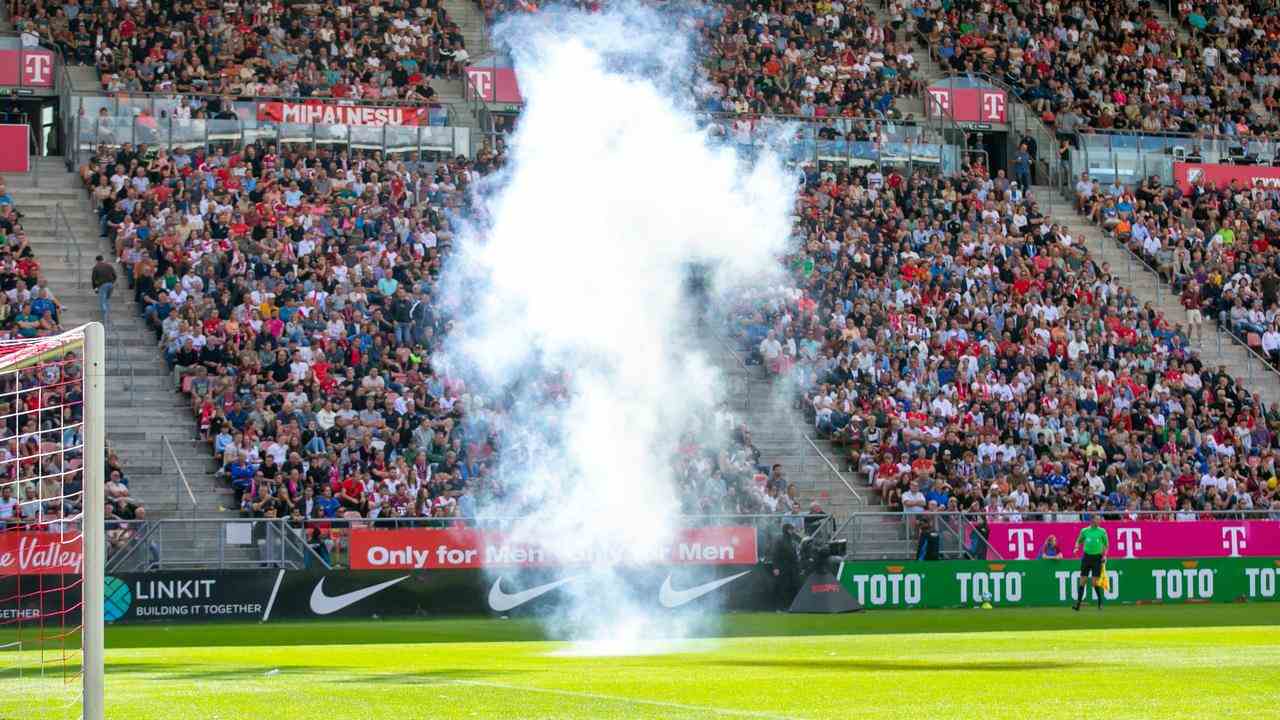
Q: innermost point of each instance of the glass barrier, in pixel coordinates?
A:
(406, 143)
(1132, 157)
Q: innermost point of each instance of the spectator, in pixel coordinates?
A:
(103, 280)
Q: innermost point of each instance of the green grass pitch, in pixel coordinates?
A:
(1185, 661)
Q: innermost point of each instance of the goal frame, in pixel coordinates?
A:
(92, 530)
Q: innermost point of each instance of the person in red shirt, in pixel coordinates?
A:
(351, 494)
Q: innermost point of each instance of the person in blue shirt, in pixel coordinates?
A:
(222, 441)
(1050, 551)
(241, 472)
(238, 415)
(44, 304)
(327, 503)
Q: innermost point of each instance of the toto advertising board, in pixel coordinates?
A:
(469, 548)
(1052, 582)
(1144, 539)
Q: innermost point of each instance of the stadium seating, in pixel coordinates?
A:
(831, 60)
(257, 270)
(291, 353)
(1224, 260)
(1102, 64)
(961, 342)
(271, 49)
(28, 310)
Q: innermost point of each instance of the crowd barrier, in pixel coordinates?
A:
(1027, 583)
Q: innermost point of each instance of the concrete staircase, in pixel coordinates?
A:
(449, 90)
(820, 470)
(1218, 347)
(142, 406)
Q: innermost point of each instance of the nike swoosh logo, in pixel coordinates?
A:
(672, 598)
(322, 604)
(501, 601)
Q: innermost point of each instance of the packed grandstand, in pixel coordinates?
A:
(957, 345)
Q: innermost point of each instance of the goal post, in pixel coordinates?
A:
(53, 541)
(93, 533)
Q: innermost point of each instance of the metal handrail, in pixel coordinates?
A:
(796, 429)
(122, 356)
(182, 475)
(116, 561)
(70, 243)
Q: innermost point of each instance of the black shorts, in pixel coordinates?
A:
(1091, 566)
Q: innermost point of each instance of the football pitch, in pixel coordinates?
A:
(1184, 661)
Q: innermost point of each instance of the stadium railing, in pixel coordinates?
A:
(891, 143)
(248, 543)
(1133, 156)
(864, 530)
(417, 142)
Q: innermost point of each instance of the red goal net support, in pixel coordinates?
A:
(51, 524)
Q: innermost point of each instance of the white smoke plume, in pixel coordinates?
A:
(569, 296)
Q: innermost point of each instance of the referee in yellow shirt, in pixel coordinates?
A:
(1094, 541)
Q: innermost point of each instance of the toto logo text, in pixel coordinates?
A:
(1262, 582)
(990, 586)
(880, 589)
(1183, 584)
(1069, 579)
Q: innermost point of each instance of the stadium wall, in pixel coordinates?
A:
(966, 583)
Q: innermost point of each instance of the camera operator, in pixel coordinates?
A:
(786, 567)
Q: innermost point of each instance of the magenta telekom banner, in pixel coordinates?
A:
(1188, 174)
(1142, 539)
(973, 105)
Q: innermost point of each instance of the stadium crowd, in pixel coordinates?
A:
(41, 405)
(970, 355)
(1219, 246)
(295, 299)
(798, 58)
(1102, 64)
(385, 50)
(962, 346)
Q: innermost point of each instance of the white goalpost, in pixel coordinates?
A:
(52, 513)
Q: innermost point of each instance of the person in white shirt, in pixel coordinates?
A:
(913, 500)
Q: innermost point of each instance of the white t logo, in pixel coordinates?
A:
(1233, 539)
(1020, 542)
(1130, 540)
(481, 83)
(993, 106)
(939, 101)
(36, 69)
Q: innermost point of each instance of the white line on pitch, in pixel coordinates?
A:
(619, 699)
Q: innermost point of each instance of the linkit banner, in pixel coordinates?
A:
(144, 597)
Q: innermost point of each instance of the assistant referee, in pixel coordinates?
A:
(1094, 541)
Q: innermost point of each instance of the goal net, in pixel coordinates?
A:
(51, 524)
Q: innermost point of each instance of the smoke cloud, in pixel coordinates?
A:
(568, 294)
